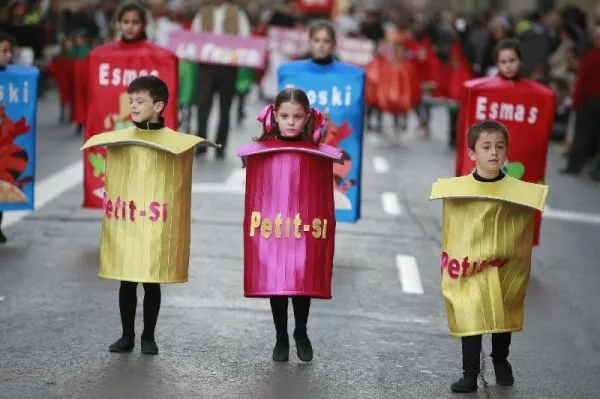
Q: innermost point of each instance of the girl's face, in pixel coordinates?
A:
(508, 63)
(291, 118)
(6, 53)
(131, 25)
(321, 44)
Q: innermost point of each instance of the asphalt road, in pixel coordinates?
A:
(380, 337)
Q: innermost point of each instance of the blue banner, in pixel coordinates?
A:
(18, 106)
(336, 89)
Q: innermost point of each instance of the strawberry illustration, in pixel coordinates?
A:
(13, 159)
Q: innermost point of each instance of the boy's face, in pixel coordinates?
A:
(143, 108)
(490, 153)
(6, 53)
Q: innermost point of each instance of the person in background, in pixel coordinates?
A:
(558, 61)
(372, 27)
(346, 24)
(586, 99)
(499, 28)
(562, 111)
(284, 14)
(245, 79)
(222, 17)
(167, 23)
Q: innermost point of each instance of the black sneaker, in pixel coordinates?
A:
(304, 348)
(122, 345)
(281, 352)
(504, 374)
(149, 347)
(2, 238)
(465, 385)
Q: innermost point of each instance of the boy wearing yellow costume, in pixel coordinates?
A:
(146, 208)
(487, 238)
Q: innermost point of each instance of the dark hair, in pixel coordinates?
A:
(156, 88)
(133, 7)
(295, 96)
(5, 37)
(322, 25)
(476, 130)
(508, 44)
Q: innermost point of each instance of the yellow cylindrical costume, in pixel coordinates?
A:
(487, 239)
(147, 204)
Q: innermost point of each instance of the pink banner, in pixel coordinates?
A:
(249, 52)
(292, 43)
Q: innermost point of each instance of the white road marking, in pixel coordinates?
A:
(380, 164)
(2, 298)
(571, 216)
(408, 272)
(390, 203)
(235, 184)
(48, 189)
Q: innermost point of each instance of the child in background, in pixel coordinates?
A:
(7, 46)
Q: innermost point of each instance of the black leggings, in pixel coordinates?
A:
(128, 304)
(471, 349)
(279, 307)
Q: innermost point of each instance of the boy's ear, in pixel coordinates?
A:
(159, 107)
(471, 154)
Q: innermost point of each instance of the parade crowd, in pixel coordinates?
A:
(130, 94)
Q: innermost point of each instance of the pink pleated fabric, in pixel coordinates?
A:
(289, 222)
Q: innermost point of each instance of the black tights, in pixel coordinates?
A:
(279, 307)
(128, 305)
(471, 349)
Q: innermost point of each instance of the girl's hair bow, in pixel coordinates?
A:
(266, 117)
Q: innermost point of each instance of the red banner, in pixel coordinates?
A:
(526, 109)
(289, 223)
(111, 68)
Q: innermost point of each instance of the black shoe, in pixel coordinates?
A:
(200, 150)
(504, 375)
(2, 238)
(122, 345)
(220, 153)
(149, 347)
(465, 385)
(281, 352)
(304, 348)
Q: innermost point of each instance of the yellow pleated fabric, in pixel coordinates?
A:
(487, 237)
(147, 205)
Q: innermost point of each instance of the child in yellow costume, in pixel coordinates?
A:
(487, 237)
(146, 209)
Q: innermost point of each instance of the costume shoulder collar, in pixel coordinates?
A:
(164, 139)
(508, 189)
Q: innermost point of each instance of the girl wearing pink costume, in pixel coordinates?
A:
(290, 128)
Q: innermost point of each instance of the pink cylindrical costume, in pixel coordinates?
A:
(289, 222)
